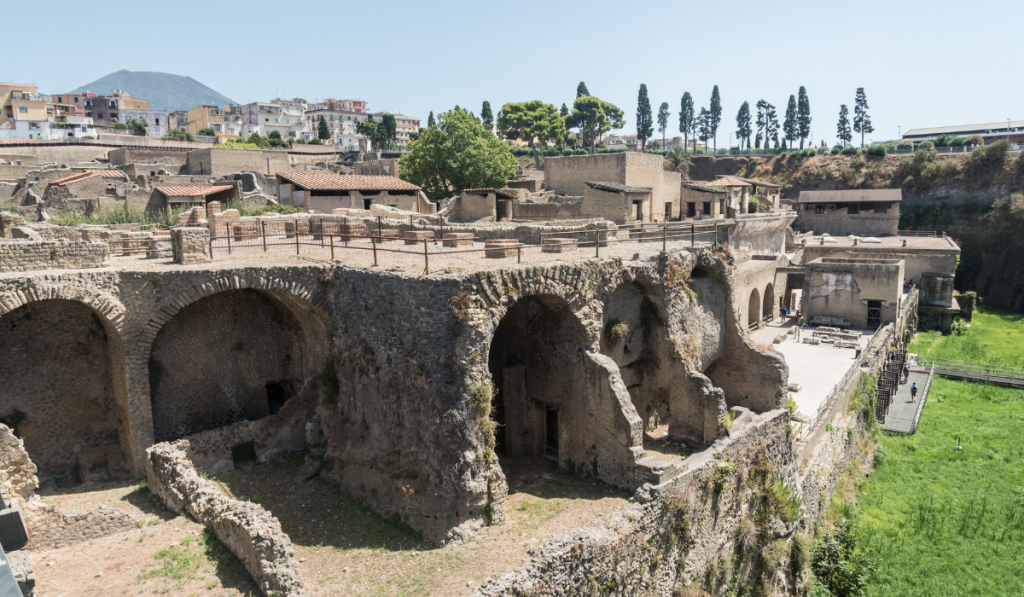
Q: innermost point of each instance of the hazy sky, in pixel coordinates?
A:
(921, 64)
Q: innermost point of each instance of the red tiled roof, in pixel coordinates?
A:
(325, 181)
(88, 174)
(3, 161)
(109, 173)
(193, 190)
(728, 181)
(615, 187)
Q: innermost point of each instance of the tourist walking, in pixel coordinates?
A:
(906, 372)
(913, 392)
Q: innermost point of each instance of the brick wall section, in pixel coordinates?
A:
(52, 254)
(53, 528)
(190, 245)
(249, 531)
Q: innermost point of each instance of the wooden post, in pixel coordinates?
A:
(693, 234)
(373, 239)
(332, 247)
(264, 227)
(664, 238)
(426, 257)
(519, 254)
(296, 237)
(597, 243)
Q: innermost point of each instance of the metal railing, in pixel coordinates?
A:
(927, 233)
(976, 371)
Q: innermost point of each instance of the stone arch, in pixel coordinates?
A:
(557, 398)
(753, 309)
(768, 303)
(231, 350)
(65, 390)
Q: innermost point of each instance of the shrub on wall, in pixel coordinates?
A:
(850, 150)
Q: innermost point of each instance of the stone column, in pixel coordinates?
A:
(190, 245)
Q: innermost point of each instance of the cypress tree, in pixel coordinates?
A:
(322, 132)
(581, 89)
(686, 119)
(715, 114)
(743, 129)
(486, 116)
(861, 119)
(644, 118)
(843, 128)
(790, 127)
(803, 115)
(430, 119)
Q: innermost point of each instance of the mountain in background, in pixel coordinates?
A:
(163, 90)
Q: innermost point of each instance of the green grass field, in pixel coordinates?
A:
(995, 337)
(945, 522)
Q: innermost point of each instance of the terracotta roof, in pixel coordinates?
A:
(852, 196)
(326, 181)
(697, 186)
(193, 190)
(728, 181)
(88, 174)
(618, 188)
(498, 192)
(3, 161)
(753, 181)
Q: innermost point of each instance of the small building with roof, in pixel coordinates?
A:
(700, 200)
(197, 194)
(1011, 130)
(737, 190)
(325, 192)
(861, 212)
(622, 204)
(768, 194)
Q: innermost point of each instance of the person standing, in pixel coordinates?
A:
(906, 372)
(913, 392)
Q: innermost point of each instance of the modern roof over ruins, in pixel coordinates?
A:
(729, 181)
(617, 188)
(753, 181)
(852, 196)
(967, 129)
(192, 190)
(499, 192)
(89, 174)
(325, 181)
(702, 187)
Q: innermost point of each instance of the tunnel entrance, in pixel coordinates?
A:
(58, 393)
(228, 357)
(551, 434)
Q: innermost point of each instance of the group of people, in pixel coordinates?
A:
(913, 386)
(907, 285)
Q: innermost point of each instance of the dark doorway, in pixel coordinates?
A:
(691, 209)
(668, 211)
(367, 203)
(503, 211)
(874, 314)
(277, 395)
(551, 434)
(638, 213)
(707, 208)
(244, 454)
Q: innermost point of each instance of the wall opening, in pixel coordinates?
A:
(551, 434)
(233, 356)
(60, 389)
(874, 314)
(753, 309)
(768, 310)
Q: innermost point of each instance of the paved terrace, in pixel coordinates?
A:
(927, 243)
(396, 256)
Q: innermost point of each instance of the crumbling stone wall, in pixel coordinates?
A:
(17, 471)
(53, 528)
(52, 254)
(247, 529)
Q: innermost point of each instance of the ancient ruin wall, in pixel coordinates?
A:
(248, 530)
(52, 254)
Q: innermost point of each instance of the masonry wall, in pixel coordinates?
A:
(843, 290)
(569, 175)
(174, 160)
(608, 205)
(916, 261)
(839, 222)
(220, 162)
(23, 256)
(470, 207)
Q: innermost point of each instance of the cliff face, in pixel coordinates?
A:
(945, 192)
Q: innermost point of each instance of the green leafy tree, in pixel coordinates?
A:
(790, 126)
(838, 566)
(275, 139)
(687, 121)
(322, 131)
(534, 122)
(207, 132)
(457, 153)
(430, 119)
(663, 115)
(803, 115)
(387, 131)
(258, 141)
(581, 89)
(715, 114)
(843, 132)
(594, 117)
(767, 122)
(861, 118)
(316, 142)
(178, 135)
(137, 125)
(644, 118)
(564, 113)
(368, 129)
(743, 128)
(486, 116)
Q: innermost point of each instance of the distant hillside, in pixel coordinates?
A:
(163, 90)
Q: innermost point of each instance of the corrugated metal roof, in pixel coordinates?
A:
(618, 188)
(852, 196)
(325, 181)
(193, 190)
(498, 192)
(966, 129)
(728, 181)
(109, 173)
(703, 187)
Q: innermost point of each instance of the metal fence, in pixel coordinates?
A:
(976, 371)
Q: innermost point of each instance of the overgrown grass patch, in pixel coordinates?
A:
(944, 521)
(995, 337)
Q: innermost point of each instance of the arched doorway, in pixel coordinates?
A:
(62, 375)
(753, 309)
(768, 304)
(556, 399)
(232, 356)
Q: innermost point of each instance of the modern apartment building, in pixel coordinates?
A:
(342, 117)
(403, 126)
(289, 120)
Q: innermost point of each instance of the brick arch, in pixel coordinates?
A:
(109, 308)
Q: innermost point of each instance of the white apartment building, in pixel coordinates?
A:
(403, 126)
(287, 120)
(156, 120)
(342, 116)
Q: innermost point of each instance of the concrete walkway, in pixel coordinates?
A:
(902, 412)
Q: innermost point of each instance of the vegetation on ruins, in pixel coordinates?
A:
(457, 153)
(534, 122)
(644, 118)
(839, 569)
(127, 213)
(861, 118)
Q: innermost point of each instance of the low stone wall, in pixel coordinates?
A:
(190, 245)
(249, 531)
(53, 528)
(52, 254)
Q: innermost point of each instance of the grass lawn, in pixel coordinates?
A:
(995, 337)
(947, 522)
